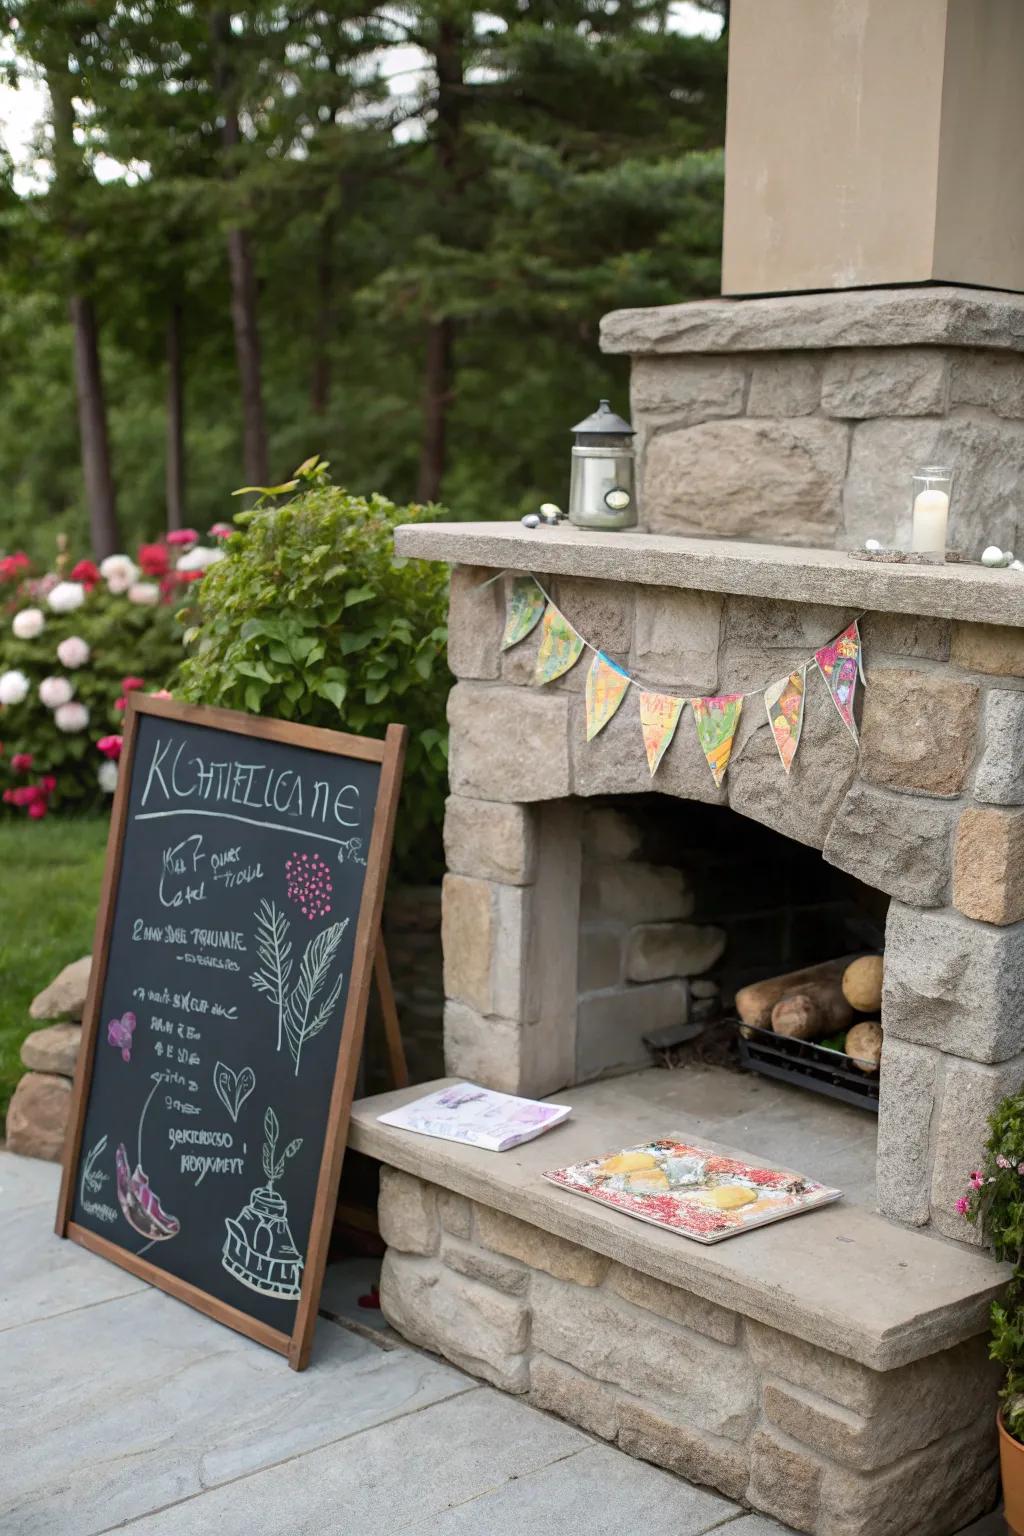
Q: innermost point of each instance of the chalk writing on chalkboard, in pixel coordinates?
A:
(240, 917)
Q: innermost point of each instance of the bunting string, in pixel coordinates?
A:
(839, 663)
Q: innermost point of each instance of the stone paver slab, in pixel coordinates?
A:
(44, 1277)
(142, 1403)
(386, 1480)
(27, 1181)
(600, 1491)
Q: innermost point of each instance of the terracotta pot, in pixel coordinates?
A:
(1011, 1466)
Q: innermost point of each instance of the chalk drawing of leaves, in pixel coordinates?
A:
(304, 1018)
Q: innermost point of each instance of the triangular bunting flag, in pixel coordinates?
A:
(784, 702)
(659, 716)
(839, 664)
(606, 688)
(560, 646)
(717, 719)
(523, 608)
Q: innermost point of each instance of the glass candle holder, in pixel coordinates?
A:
(929, 511)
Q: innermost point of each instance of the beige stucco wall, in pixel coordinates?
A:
(871, 142)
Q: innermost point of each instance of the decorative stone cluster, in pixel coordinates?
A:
(37, 1117)
(814, 1438)
(929, 810)
(800, 419)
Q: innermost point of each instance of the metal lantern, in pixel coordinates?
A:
(602, 491)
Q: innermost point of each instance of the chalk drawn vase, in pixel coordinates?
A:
(259, 1250)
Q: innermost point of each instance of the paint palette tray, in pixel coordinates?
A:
(807, 1065)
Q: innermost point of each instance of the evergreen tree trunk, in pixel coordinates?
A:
(93, 436)
(174, 468)
(94, 442)
(439, 360)
(320, 383)
(438, 371)
(244, 310)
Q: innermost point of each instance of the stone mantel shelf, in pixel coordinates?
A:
(828, 576)
(841, 1277)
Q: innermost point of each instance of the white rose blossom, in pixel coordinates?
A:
(14, 687)
(199, 558)
(55, 691)
(66, 596)
(107, 777)
(73, 652)
(144, 593)
(29, 623)
(72, 717)
(119, 573)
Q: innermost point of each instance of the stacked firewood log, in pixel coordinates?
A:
(836, 1003)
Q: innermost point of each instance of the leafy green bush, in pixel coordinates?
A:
(312, 618)
(73, 643)
(995, 1202)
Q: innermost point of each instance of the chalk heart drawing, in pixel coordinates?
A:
(233, 1088)
(259, 1249)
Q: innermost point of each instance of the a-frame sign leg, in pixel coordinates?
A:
(392, 1028)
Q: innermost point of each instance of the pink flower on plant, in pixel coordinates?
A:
(110, 746)
(183, 536)
(86, 572)
(121, 703)
(48, 783)
(977, 1179)
(154, 559)
(132, 684)
(1003, 1162)
(21, 762)
(221, 531)
(963, 1205)
(13, 567)
(37, 810)
(161, 693)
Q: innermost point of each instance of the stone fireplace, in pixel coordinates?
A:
(806, 1367)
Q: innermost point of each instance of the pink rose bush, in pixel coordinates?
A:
(75, 642)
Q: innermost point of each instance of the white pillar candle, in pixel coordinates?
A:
(930, 517)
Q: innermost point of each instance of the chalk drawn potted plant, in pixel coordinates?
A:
(995, 1203)
(259, 1249)
(304, 1009)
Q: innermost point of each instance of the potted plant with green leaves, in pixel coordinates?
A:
(995, 1203)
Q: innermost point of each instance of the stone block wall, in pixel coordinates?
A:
(811, 1437)
(800, 419)
(928, 810)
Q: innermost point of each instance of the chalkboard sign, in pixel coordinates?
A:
(234, 949)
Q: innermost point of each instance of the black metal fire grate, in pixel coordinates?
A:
(807, 1065)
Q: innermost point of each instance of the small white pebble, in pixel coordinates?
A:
(549, 509)
(993, 555)
(872, 544)
(531, 520)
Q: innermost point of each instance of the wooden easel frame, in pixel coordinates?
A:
(368, 960)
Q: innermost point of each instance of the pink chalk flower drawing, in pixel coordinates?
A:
(308, 882)
(119, 1034)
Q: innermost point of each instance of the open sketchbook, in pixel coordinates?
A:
(692, 1190)
(477, 1116)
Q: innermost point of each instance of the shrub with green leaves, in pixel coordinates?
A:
(312, 618)
(995, 1202)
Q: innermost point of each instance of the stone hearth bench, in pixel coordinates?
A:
(829, 1369)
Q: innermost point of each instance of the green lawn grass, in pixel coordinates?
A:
(50, 874)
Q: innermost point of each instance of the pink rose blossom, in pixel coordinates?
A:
(182, 536)
(962, 1205)
(110, 746)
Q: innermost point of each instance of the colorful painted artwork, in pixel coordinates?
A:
(120, 1034)
(139, 1206)
(607, 686)
(523, 608)
(308, 884)
(659, 716)
(560, 646)
(717, 719)
(839, 663)
(784, 702)
(480, 1117)
(692, 1190)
